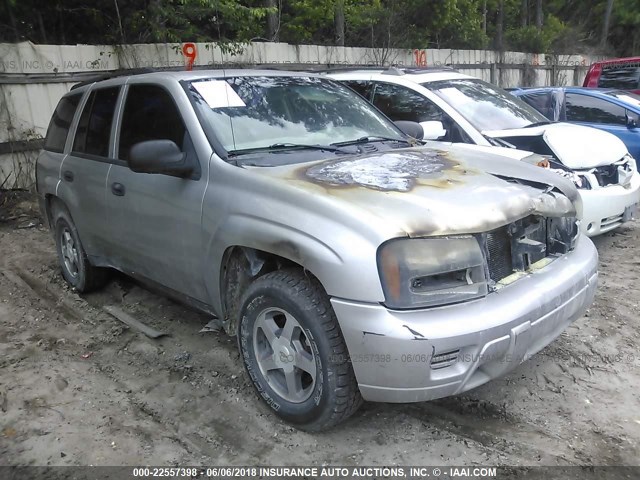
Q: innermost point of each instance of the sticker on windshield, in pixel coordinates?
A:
(218, 94)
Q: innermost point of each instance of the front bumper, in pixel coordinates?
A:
(418, 355)
(604, 208)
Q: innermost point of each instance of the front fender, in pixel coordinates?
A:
(349, 272)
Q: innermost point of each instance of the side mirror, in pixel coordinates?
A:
(159, 156)
(633, 120)
(433, 130)
(413, 129)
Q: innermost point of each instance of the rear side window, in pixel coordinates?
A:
(149, 114)
(94, 127)
(623, 78)
(583, 108)
(60, 123)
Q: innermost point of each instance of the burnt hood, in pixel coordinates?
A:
(430, 191)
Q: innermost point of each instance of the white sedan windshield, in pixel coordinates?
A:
(484, 106)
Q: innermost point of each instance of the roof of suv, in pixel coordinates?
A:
(148, 74)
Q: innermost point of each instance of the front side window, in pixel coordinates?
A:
(402, 103)
(485, 106)
(94, 127)
(363, 87)
(61, 122)
(584, 108)
(258, 112)
(149, 114)
(627, 97)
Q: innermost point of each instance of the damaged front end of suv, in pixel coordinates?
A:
(480, 261)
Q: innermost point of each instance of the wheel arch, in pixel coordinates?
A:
(242, 265)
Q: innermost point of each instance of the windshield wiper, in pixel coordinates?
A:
(538, 124)
(498, 142)
(372, 138)
(286, 146)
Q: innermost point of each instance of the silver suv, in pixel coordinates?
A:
(350, 263)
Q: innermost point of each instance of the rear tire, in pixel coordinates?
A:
(294, 352)
(76, 268)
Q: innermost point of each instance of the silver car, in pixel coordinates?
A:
(350, 262)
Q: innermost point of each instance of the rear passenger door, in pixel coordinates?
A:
(84, 169)
(156, 219)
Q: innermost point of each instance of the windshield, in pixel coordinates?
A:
(485, 106)
(628, 97)
(249, 113)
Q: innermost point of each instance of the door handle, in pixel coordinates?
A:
(117, 189)
(68, 175)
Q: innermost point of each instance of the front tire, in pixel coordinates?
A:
(294, 352)
(76, 269)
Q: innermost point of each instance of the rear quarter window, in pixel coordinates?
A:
(623, 78)
(61, 122)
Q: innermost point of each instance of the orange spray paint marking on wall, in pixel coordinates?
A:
(420, 58)
(190, 53)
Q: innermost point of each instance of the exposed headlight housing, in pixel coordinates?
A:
(430, 272)
(538, 160)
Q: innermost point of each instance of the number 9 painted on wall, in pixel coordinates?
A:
(190, 52)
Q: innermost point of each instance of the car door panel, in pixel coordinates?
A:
(604, 115)
(156, 219)
(84, 170)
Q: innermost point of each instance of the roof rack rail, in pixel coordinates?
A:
(114, 74)
(394, 71)
(390, 70)
(435, 68)
(351, 68)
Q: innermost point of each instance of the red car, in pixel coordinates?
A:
(618, 73)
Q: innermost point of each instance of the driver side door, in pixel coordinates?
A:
(605, 115)
(155, 219)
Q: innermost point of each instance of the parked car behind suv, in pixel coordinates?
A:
(618, 73)
(614, 111)
(349, 263)
(454, 107)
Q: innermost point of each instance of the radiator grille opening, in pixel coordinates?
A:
(499, 254)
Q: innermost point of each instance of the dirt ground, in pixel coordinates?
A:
(78, 387)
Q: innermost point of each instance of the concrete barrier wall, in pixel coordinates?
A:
(34, 77)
